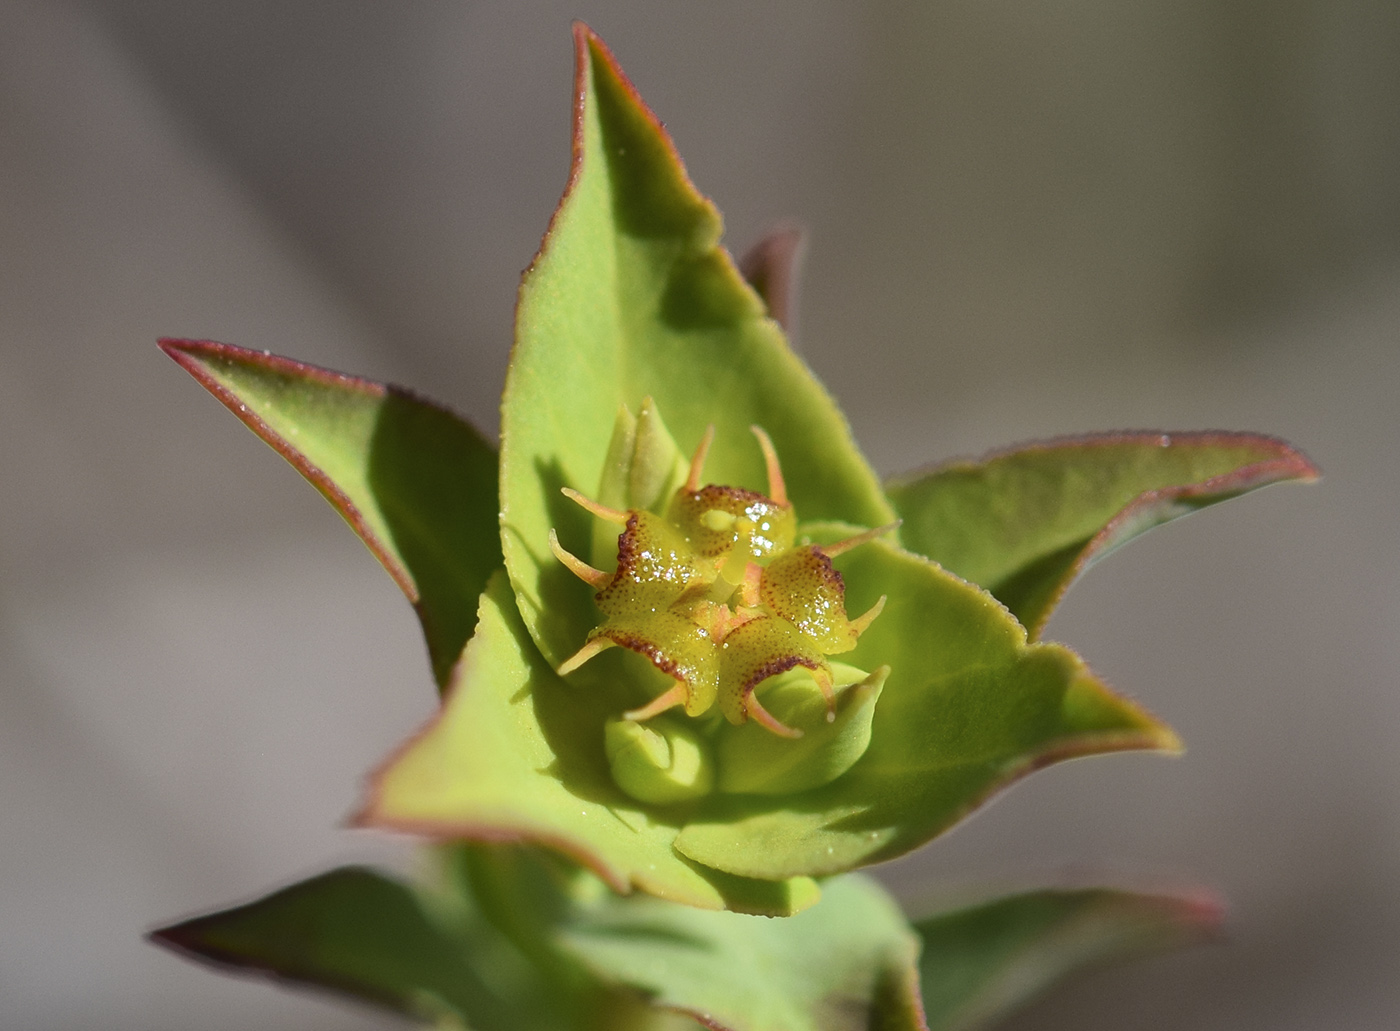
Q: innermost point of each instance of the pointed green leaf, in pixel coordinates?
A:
(516, 753)
(1026, 523)
(417, 483)
(968, 708)
(980, 963)
(631, 295)
(438, 952)
(846, 964)
(362, 934)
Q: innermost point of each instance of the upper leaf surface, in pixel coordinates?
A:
(517, 754)
(980, 963)
(1025, 523)
(968, 708)
(631, 296)
(417, 483)
(846, 964)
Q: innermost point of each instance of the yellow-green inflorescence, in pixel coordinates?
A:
(714, 588)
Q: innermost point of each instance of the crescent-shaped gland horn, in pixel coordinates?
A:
(603, 512)
(777, 487)
(841, 547)
(697, 461)
(862, 623)
(675, 695)
(764, 718)
(595, 578)
(578, 658)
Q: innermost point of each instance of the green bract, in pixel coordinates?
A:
(631, 306)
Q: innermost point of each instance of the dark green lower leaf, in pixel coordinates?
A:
(360, 933)
(515, 939)
(980, 963)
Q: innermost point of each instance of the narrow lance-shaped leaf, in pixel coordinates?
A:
(968, 708)
(1026, 523)
(359, 933)
(517, 754)
(980, 963)
(414, 481)
(437, 951)
(631, 296)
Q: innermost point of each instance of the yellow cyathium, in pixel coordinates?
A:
(718, 595)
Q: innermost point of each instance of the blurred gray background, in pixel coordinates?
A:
(1027, 218)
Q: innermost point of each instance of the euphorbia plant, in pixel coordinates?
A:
(695, 656)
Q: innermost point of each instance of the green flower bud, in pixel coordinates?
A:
(642, 469)
(660, 761)
(753, 761)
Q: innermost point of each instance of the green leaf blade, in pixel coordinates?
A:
(516, 754)
(358, 933)
(1026, 523)
(631, 296)
(969, 708)
(980, 963)
(416, 483)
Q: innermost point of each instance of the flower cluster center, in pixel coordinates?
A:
(719, 596)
